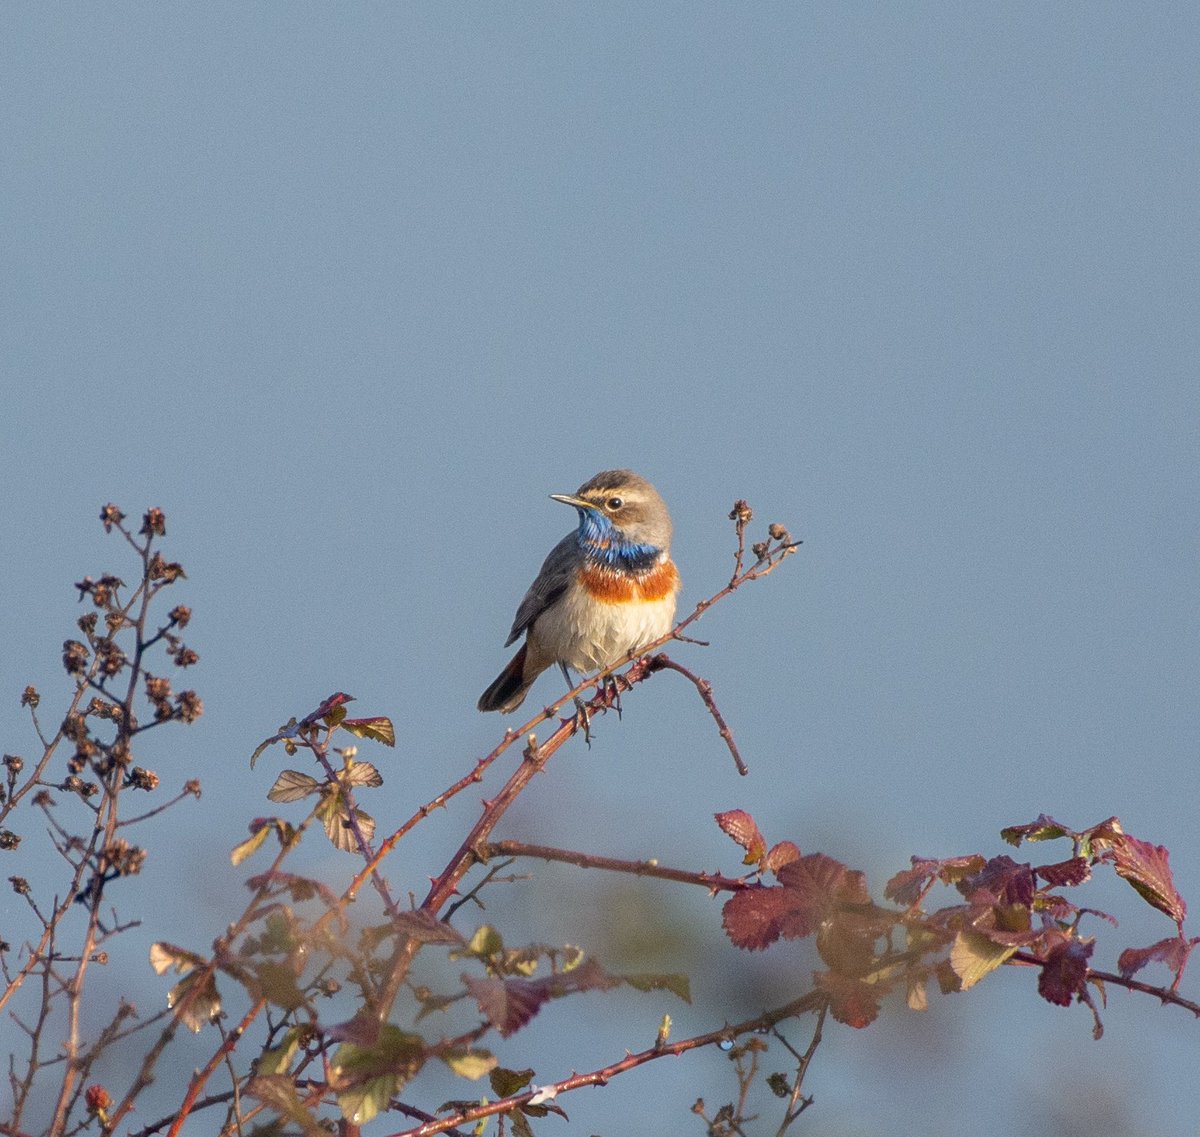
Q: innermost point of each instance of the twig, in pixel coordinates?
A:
(1163, 994)
(813, 1001)
(200, 1077)
(714, 882)
(704, 688)
(797, 1103)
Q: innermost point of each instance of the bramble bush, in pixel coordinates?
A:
(301, 1008)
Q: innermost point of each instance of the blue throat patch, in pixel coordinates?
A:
(606, 545)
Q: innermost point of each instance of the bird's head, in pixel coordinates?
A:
(622, 509)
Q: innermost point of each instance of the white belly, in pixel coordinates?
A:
(588, 635)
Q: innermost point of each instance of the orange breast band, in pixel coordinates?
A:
(612, 587)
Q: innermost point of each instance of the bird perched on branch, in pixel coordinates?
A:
(604, 591)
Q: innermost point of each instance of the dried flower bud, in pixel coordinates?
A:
(19, 885)
(75, 727)
(8, 840)
(779, 1085)
(14, 764)
(759, 549)
(162, 569)
(75, 657)
(125, 858)
(87, 623)
(102, 710)
(154, 523)
(114, 622)
(111, 516)
(192, 786)
(141, 779)
(185, 657)
(180, 615)
(189, 706)
(30, 697)
(112, 658)
(778, 532)
(741, 512)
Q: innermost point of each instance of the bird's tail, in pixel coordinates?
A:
(507, 691)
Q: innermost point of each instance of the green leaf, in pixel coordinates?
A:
(973, 955)
(279, 1058)
(484, 943)
(676, 984)
(377, 729)
(338, 828)
(250, 846)
(505, 1083)
(277, 983)
(278, 1093)
(287, 731)
(364, 1078)
(164, 956)
(471, 1064)
(292, 785)
(520, 1126)
(362, 774)
(203, 1006)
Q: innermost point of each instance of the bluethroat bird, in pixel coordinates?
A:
(604, 591)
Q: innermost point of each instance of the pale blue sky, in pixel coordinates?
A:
(349, 289)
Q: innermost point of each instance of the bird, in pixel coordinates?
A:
(605, 590)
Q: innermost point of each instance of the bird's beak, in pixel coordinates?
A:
(570, 499)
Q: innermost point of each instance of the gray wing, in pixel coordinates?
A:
(551, 582)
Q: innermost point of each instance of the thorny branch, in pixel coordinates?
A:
(379, 978)
(600, 1077)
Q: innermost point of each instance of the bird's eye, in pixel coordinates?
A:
(614, 503)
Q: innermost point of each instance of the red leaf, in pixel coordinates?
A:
(507, 1004)
(1001, 881)
(739, 825)
(426, 928)
(753, 916)
(779, 855)
(337, 699)
(906, 886)
(1173, 952)
(1145, 866)
(850, 1002)
(1074, 871)
(816, 883)
(1043, 829)
(1064, 972)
